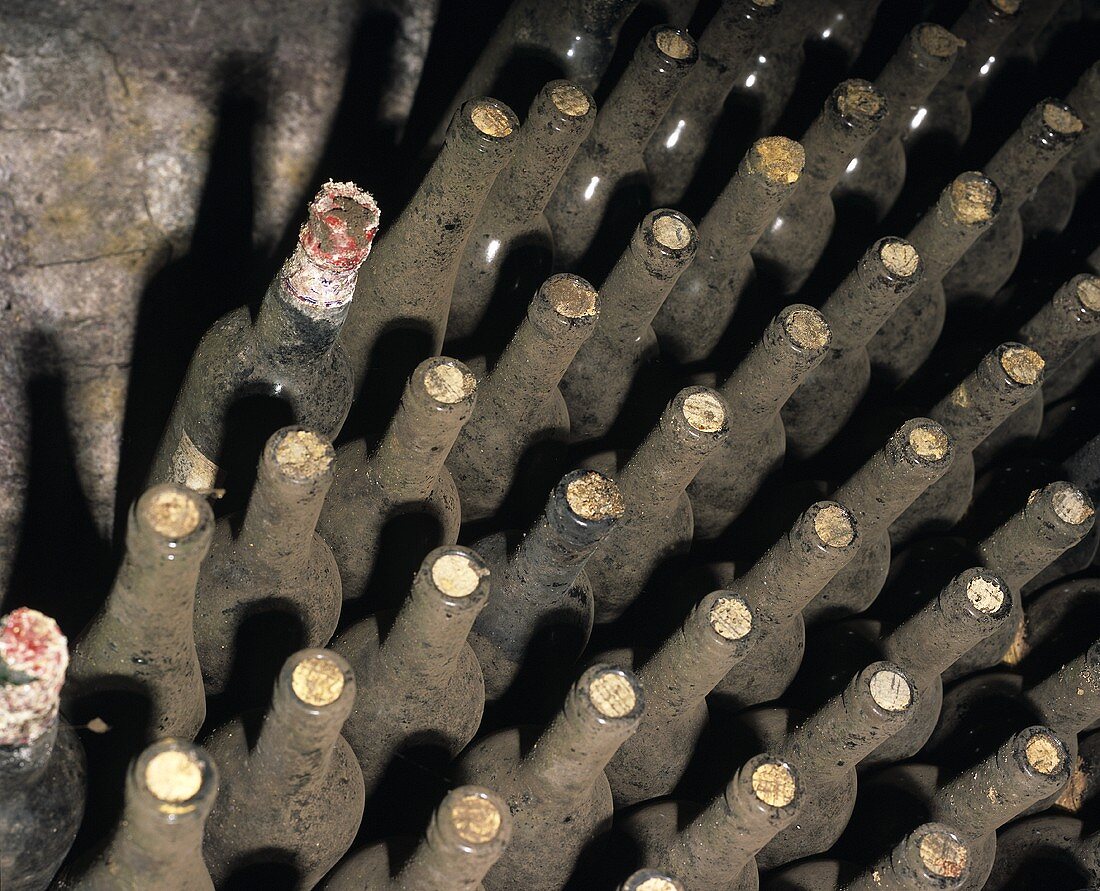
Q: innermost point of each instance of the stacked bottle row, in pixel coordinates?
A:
(740, 570)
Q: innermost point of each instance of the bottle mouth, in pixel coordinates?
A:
(569, 99)
(987, 594)
(834, 526)
(807, 328)
(1088, 292)
(672, 231)
(730, 618)
(1023, 365)
(938, 41)
(675, 44)
(899, 258)
(490, 118)
(779, 159)
(302, 455)
(891, 690)
(704, 412)
(449, 382)
(571, 297)
(476, 817)
(173, 514)
(652, 880)
(34, 655)
(614, 693)
(859, 103)
(975, 198)
(318, 678)
(340, 228)
(942, 853)
(1042, 752)
(929, 442)
(774, 783)
(1061, 119)
(457, 575)
(178, 776)
(594, 497)
(1070, 504)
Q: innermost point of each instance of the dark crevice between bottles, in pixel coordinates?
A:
(637, 25)
(627, 204)
(271, 870)
(251, 419)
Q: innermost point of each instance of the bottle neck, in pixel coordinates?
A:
(22, 765)
(289, 331)
(1030, 153)
(984, 27)
(278, 524)
(1071, 316)
(941, 239)
(1069, 699)
(911, 74)
(831, 142)
(155, 842)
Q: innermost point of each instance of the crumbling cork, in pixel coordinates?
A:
(317, 681)
(612, 695)
(594, 497)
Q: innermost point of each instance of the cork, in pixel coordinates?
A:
(943, 854)
(1043, 754)
(704, 412)
(774, 784)
(448, 383)
(475, 819)
(780, 159)
(973, 198)
(930, 443)
(31, 647)
(304, 455)
(674, 44)
(1088, 292)
(764, 4)
(1061, 120)
(317, 681)
(834, 527)
(570, 100)
(807, 328)
(891, 691)
(1072, 506)
(657, 883)
(172, 514)
(670, 232)
(1008, 7)
(456, 575)
(571, 296)
(900, 258)
(986, 595)
(859, 99)
(595, 497)
(612, 695)
(173, 776)
(490, 120)
(730, 618)
(937, 40)
(1022, 364)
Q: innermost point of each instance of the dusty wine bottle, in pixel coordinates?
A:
(42, 766)
(591, 192)
(657, 522)
(790, 248)
(965, 210)
(1051, 850)
(403, 483)
(419, 690)
(404, 295)
(820, 406)
(601, 376)
(270, 560)
(726, 45)
(289, 351)
(714, 849)
(291, 793)
(529, 636)
(792, 345)
(520, 414)
(465, 837)
(510, 249)
(698, 310)
(555, 786)
(142, 639)
(170, 789)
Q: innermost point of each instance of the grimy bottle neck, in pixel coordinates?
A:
(313, 696)
(583, 508)
(762, 183)
(1069, 699)
(794, 570)
(923, 59)
(1071, 316)
(1005, 379)
(984, 26)
(427, 636)
(466, 836)
(933, 857)
(885, 275)
(970, 607)
(1027, 768)
(761, 800)
(438, 400)
(875, 705)
(965, 209)
(293, 477)
(1054, 519)
(792, 345)
(560, 117)
(917, 455)
(600, 713)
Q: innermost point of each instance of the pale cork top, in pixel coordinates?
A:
(704, 412)
(1043, 754)
(943, 854)
(456, 575)
(475, 819)
(595, 497)
(834, 527)
(891, 690)
(304, 455)
(774, 784)
(1061, 120)
(673, 44)
(1011, 7)
(1088, 292)
(1023, 365)
(807, 328)
(973, 198)
(317, 681)
(859, 99)
(490, 120)
(780, 159)
(172, 514)
(612, 695)
(986, 595)
(1072, 506)
(571, 296)
(173, 776)
(570, 100)
(937, 40)
(730, 618)
(671, 232)
(900, 258)
(930, 443)
(658, 883)
(448, 383)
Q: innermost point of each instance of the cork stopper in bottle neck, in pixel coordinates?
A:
(704, 412)
(834, 526)
(1088, 292)
(456, 575)
(302, 455)
(1023, 365)
(859, 103)
(899, 258)
(1043, 752)
(730, 618)
(1070, 504)
(986, 593)
(594, 497)
(570, 99)
(34, 655)
(652, 880)
(807, 329)
(774, 783)
(612, 694)
(929, 442)
(675, 44)
(170, 512)
(891, 690)
(317, 681)
(1061, 119)
(778, 159)
(491, 119)
(943, 854)
(448, 382)
(671, 232)
(174, 777)
(974, 198)
(938, 41)
(336, 237)
(474, 817)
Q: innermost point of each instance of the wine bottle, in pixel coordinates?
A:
(270, 560)
(1047, 851)
(291, 793)
(657, 522)
(872, 183)
(510, 249)
(822, 541)
(466, 835)
(1005, 379)
(42, 765)
(717, 634)
(726, 48)
(170, 789)
(790, 249)
(698, 310)
(714, 849)
(531, 633)
(555, 786)
(402, 489)
(965, 210)
(792, 345)
(1044, 137)
(403, 297)
(608, 165)
(289, 351)
(520, 415)
(419, 690)
(597, 384)
(142, 640)
(820, 406)
(918, 454)
(1085, 99)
